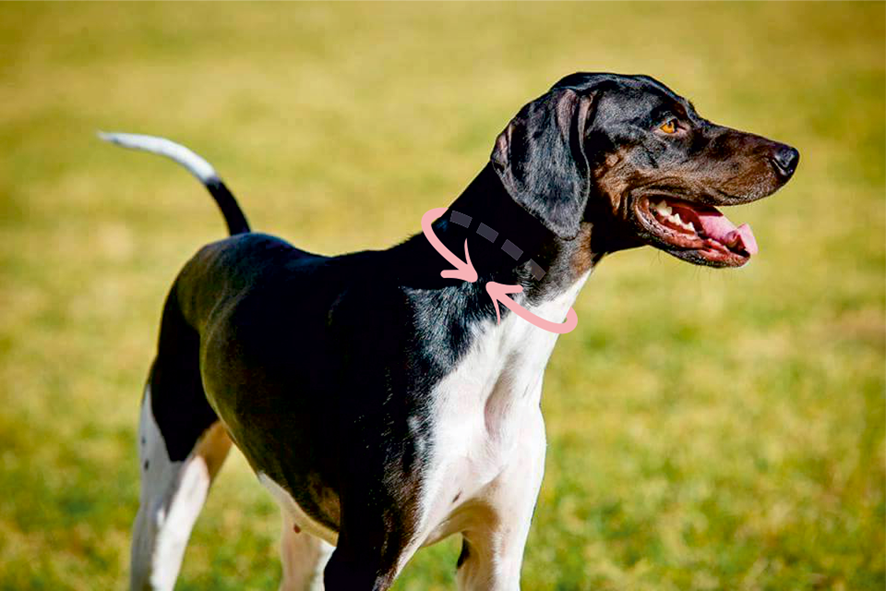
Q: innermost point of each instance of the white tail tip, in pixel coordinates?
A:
(195, 163)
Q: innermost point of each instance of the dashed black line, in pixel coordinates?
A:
(512, 249)
(491, 235)
(487, 232)
(461, 219)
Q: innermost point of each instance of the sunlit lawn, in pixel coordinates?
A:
(707, 429)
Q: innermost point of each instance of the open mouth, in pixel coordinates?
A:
(697, 232)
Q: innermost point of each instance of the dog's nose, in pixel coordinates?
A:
(786, 159)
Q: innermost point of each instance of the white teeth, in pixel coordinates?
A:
(665, 211)
(680, 222)
(663, 208)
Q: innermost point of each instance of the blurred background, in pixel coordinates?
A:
(707, 429)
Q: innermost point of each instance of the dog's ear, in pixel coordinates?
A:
(540, 159)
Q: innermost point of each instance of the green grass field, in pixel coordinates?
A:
(707, 429)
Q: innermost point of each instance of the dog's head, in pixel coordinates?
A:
(628, 153)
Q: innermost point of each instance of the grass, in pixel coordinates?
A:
(707, 429)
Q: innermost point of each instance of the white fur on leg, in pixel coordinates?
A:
(498, 537)
(172, 494)
(304, 557)
(176, 520)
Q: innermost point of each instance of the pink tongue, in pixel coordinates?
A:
(719, 228)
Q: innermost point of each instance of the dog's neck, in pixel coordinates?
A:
(447, 311)
(485, 201)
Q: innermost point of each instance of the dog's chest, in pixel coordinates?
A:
(487, 407)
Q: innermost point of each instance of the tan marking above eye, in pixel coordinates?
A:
(670, 126)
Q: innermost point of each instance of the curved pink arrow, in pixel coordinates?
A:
(463, 270)
(498, 292)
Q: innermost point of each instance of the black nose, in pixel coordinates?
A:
(786, 159)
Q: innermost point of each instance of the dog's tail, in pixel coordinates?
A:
(195, 164)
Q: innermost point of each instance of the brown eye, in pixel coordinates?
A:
(670, 126)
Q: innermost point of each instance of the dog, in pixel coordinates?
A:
(382, 404)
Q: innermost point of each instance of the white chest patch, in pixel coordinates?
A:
(482, 410)
(484, 407)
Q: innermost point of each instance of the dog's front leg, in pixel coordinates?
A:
(303, 557)
(376, 539)
(380, 505)
(492, 551)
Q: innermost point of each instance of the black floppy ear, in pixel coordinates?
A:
(540, 159)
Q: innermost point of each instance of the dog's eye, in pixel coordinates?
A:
(670, 126)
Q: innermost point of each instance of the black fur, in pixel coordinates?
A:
(540, 159)
(323, 369)
(234, 216)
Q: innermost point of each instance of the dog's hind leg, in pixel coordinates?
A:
(172, 494)
(304, 557)
(182, 445)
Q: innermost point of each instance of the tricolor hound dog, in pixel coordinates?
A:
(381, 404)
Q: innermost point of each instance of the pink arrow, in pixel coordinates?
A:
(498, 292)
(464, 271)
